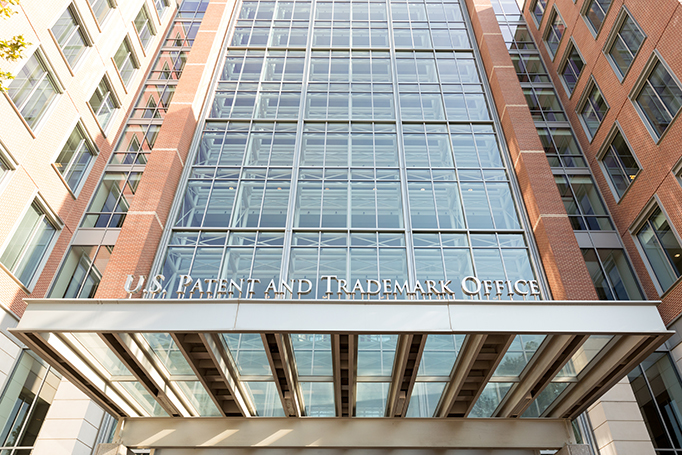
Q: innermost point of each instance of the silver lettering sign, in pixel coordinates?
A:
(333, 287)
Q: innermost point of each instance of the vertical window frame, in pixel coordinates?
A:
(583, 102)
(623, 15)
(637, 226)
(564, 63)
(87, 139)
(643, 79)
(549, 28)
(615, 130)
(57, 224)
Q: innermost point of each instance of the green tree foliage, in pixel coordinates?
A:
(10, 49)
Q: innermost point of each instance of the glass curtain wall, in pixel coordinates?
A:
(351, 139)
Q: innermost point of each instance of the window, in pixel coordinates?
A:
(659, 99)
(538, 9)
(619, 164)
(25, 401)
(125, 62)
(81, 272)
(161, 6)
(75, 158)
(69, 34)
(103, 103)
(657, 389)
(7, 165)
(28, 247)
(555, 31)
(594, 13)
(144, 27)
(611, 274)
(33, 90)
(624, 45)
(592, 110)
(112, 199)
(100, 9)
(571, 68)
(581, 199)
(661, 248)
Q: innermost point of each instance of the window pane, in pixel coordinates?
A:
(29, 244)
(74, 160)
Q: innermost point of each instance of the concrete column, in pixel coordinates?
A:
(618, 425)
(71, 424)
(112, 449)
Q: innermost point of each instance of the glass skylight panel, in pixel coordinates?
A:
(424, 399)
(376, 354)
(265, 398)
(102, 353)
(313, 354)
(584, 355)
(518, 355)
(370, 399)
(440, 353)
(318, 398)
(545, 398)
(168, 353)
(143, 398)
(248, 354)
(490, 398)
(196, 394)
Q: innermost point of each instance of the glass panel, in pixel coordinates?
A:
(265, 398)
(376, 354)
(313, 354)
(490, 398)
(196, 394)
(168, 353)
(318, 398)
(370, 400)
(424, 399)
(519, 353)
(248, 354)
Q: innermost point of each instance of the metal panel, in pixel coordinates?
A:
(346, 433)
(324, 316)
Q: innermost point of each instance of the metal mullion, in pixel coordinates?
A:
(402, 169)
(295, 166)
(658, 97)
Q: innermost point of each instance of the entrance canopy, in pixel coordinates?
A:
(330, 359)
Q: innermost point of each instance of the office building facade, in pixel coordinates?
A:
(338, 225)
